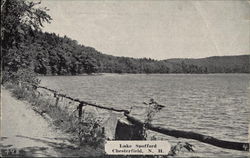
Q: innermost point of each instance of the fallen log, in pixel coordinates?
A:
(192, 135)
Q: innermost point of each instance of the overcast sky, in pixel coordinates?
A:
(155, 29)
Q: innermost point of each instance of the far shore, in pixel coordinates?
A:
(104, 73)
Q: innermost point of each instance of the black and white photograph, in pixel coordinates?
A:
(125, 78)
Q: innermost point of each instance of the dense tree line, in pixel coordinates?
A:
(188, 68)
(216, 64)
(48, 53)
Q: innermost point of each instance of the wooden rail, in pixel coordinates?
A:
(170, 132)
(83, 102)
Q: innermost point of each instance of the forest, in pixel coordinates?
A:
(24, 44)
(47, 53)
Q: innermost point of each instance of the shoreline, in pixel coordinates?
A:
(101, 74)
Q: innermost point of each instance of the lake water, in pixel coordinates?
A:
(212, 104)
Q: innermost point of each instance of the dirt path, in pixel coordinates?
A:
(26, 133)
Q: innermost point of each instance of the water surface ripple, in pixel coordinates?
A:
(213, 104)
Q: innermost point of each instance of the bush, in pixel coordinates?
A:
(19, 93)
(23, 75)
(90, 131)
(152, 108)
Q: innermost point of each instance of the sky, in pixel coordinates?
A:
(154, 29)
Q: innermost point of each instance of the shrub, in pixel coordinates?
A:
(180, 146)
(21, 76)
(19, 93)
(90, 131)
(152, 109)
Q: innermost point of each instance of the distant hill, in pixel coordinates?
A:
(215, 64)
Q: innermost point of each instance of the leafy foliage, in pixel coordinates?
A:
(19, 20)
(180, 146)
(152, 109)
(22, 77)
(90, 132)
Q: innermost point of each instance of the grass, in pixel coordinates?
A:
(86, 131)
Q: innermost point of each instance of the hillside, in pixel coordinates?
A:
(215, 64)
(49, 54)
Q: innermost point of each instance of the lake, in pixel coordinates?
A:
(212, 104)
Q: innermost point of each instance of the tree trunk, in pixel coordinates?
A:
(125, 130)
